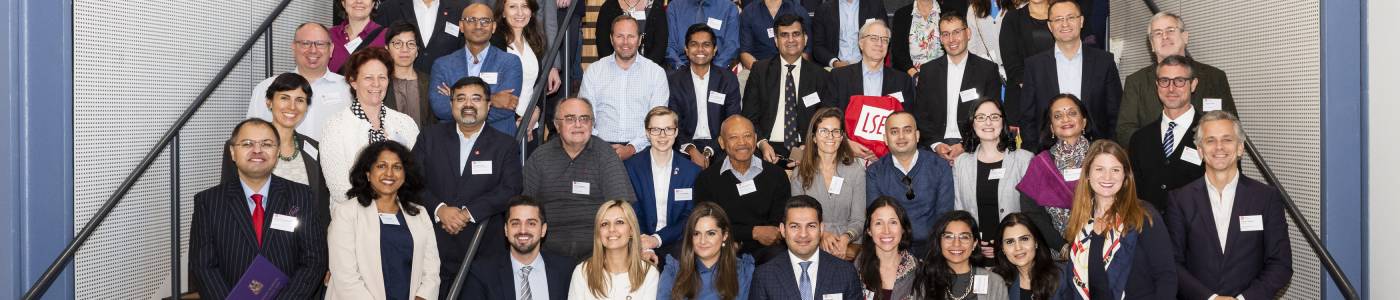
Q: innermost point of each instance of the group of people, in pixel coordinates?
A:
(872, 163)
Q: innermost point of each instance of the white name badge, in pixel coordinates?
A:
(717, 97)
(898, 96)
(284, 222)
(580, 188)
(1072, 174)
(979, 284)
(1210, 104)
(310, 150)
(968, 95)
(1190, 155)
(1251, 223)
(452, 29)
(640, 15)
(996, 174)
(831, 297)
(489, 77)
(481, 167)
(685, 194)
(770, 32)
(388, 219)
(352, 44)
(747, 187)
(714, 23)
(811, 99)
(835, 187)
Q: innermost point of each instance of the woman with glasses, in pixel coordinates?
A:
(289, 97)
(836, 178)
(986, 175)
(382, 245)
(366, 121)
(887, 269)
(1024, 258)
(707, 268)
(1053, 173)
(950, 270)
(519, 34)
(914, 35)
(409, 85)
(663, 182)
(357, 33)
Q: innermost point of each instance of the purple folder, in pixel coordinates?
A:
(262, 280)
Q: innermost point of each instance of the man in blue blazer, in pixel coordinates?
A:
(1089, 73)
(469, 174)
(257, 215)
(714, 89)
(500, 70)
(548, 275)
(805, 271)
(1230, 236)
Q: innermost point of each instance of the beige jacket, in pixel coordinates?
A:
(355, 263)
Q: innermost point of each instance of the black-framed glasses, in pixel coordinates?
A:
(986, 117)
(659, 131)
(908, 187)
(1175, 81)
(478, 21)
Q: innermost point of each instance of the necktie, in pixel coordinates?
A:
(806, 285)
(525, 284)
(790, 112)
(1169, 141)
(258, 217)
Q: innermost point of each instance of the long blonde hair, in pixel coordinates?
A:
(595, 268)
(1125, 208)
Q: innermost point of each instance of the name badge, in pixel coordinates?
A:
(716, 97)
(979, 284)
(310, 150)
(835, 187)
(481, 167)
(684, 194)
(1252, 223)
(747, 187)
(770, 32)
(1190, 155)
(714, 23)
(1072, 174)
(580, 188)
(898, 96)
(640, 15)
(811, 99)
(352, 44)
(452, 29)
(388, 219)
(1210, 104)
(284, 222)
(489, 77)
(831, 297)
(996, 174)
(969, 95)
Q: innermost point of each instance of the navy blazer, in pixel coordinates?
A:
(1150, 272)
(775, 280)
(485, 196)
(826, 27)
(222, 242)
(491, 277)
(848, 81)
(452, 67)
(1154, 171)
(1101, 90)
(1256, 264)
(683, 102)
(683, 174)
(440, 42)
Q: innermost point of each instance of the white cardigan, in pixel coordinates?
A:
(355, 263)
(343, 137)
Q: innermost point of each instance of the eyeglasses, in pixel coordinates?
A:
(986, 117)
(480, 22)
(829, 133)
(571, 119)
(303, 44)
(877, 38)
(950, 33)
(402, 45)
(961, 237)
(1063, 20)
(668, 131)
(1066, 113)
(1177, 82)
(246, 145)
(908, 187)
(1161, 32)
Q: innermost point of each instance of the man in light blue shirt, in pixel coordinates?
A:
(624, 86)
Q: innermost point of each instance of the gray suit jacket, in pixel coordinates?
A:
(965, 182)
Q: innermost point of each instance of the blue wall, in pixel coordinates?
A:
(36, 167)
(1343, 139)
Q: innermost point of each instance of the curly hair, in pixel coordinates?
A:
(360, 188)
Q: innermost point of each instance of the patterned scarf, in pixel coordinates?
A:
(1079, 254)
(375, 135)
(1069, 156)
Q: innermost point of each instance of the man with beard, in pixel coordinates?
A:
(534, 273)
(469, 175)
(500, 70)
(625, 86)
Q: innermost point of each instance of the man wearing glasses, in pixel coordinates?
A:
(949, 88)
(920, 182)
(1070, 68)
(1164, 152)
(500, 70)
(869, 77)
(625, 86)
(311, 46)
(702, 95)
(1167, 33)
(571, 176)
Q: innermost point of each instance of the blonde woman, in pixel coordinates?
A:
(616, 269)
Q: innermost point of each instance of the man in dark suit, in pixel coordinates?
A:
(1230, 237)
(749, 189)
(469, 175)
(438, 33)
(534, 273)
(869, 77)
(1070, 68)
(702, 96)
(836, 30)
(783, 92)
(1164, 152)
(805, 270)
(1168, 36)
(257, 215)
(949, 87)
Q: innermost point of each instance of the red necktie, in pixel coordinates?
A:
(258, 217)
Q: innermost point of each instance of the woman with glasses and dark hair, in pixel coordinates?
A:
(382, 246)
(289, 97)
(708, 268)
(987, 174)
(1053, 173)
(950, 269)
(664, 183)
(366, 121)
(887, 269)
(835, 177)
(1024, 258)
(409, 85)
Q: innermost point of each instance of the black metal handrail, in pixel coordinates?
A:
(64, 258)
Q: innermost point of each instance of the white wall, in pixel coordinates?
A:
(1382, 93)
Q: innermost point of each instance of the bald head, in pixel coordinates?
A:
(738, 138)
(477, 24)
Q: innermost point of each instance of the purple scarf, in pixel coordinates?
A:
(1045, 184)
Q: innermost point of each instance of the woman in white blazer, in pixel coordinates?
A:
(985, 177)
(367, 120)
(382, 246)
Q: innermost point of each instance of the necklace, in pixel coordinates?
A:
(295, 152)
(966, 292)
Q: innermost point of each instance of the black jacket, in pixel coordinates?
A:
(931, 105)
(1155, 173)
(761, 95)
(1101, 90)
(654, 36)
(826, 27)
(440, 42)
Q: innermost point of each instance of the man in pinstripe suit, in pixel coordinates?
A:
(258, 215)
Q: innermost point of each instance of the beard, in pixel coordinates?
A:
(526, 248)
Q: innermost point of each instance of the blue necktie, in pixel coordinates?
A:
(1169, 141)
(805, 287)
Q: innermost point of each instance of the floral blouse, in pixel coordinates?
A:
(923, 35)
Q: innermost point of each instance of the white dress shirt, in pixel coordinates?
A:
(661, 183)
(330, 95)
(539, 281)
(1221, 205)
(913, 161)
(530, 71)
(427, 18)
(702, 101)
(776, 135)
(952, 91)
(811, 269)
(622, 97)
(1183, 122)
(1070, 71)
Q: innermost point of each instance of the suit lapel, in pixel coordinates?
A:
(788, 281)
(1209, 216)
(1243, 202)
(713, 111)
(281, 204)
(1085, 74)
